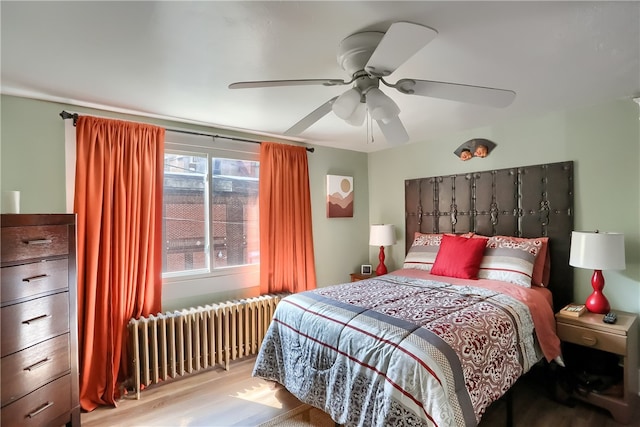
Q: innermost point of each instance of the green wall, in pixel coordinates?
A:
(604, 143)
(32, 161)
(602, 140)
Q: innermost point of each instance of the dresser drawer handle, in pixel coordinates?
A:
(589, 340)
(39, 242)
(37, 364)
(35, 278)
(35, 319)
(37, 411)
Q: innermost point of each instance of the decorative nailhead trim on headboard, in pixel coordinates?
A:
(526, 201)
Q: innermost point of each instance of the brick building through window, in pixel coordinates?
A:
(225, 235)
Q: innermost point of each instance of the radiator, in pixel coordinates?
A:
(179, 343)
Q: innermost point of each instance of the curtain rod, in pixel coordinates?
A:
(66, 115)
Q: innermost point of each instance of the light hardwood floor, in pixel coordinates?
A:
(213, 398)
(234, 398)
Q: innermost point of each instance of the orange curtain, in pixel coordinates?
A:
(118, 202)
(286, 240)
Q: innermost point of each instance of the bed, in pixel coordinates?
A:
(436, 342)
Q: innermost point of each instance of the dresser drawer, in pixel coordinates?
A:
(28, 280)
(600, 340)
(40, 407)
(21, 243)
(34, 367)
(31, 322)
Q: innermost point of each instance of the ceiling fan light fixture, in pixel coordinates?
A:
(380, 106)
(369, 56)
(346, 103)
(358, 116)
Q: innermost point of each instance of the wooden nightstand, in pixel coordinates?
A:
(621, 339)
(357, 276)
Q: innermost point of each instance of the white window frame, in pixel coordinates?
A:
(208, 270)
(225, 278)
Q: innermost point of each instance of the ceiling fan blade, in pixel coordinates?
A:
(274, 83)
(393, 131)
(401, 41)
(311, 118)
(457, 92)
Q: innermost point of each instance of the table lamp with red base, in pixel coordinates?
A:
(598, 251)
(382, 235)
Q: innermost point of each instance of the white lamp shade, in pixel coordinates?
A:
(380, 106)
(597, 250)
(382, 235)
(358, 115)
(345, 104)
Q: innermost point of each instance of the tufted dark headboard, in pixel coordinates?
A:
(527, 201)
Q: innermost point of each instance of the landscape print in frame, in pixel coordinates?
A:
(339, 196)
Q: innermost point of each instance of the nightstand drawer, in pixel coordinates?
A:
(591, 338)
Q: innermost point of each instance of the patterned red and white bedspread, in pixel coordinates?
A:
(396, 350)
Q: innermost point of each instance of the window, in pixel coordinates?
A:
(210, 209)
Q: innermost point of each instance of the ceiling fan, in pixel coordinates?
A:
(369, 57)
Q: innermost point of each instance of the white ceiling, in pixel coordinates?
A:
(176, 59)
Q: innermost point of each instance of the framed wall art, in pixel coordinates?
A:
(339, 196)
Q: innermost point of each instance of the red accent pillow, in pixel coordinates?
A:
(459, 257)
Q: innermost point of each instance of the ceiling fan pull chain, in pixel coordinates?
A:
(370, 127)
(366, 126)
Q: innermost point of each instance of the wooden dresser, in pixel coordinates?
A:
(39, 342)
